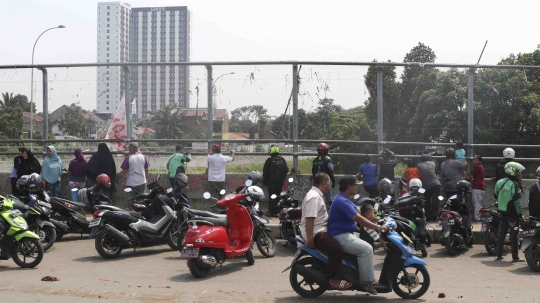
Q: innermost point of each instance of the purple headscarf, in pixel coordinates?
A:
(77, 166)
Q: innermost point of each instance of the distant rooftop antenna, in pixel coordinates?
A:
(482, 53)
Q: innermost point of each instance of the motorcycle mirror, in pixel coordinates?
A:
(385, 201)
(273, 196)
(356, 196)
(206, 195)
(128, 189)
(421, 190)
(291, 179)
(222, 192)
(249, 183)
(74, 189)
(377, 206)
(441, 198)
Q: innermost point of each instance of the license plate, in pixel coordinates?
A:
(94, 222)
(446, 222)
(487, 219)
(189, 253)
(526, 233)
(484, 227)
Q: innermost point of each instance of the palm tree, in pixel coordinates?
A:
(7, 102)
(168, 122)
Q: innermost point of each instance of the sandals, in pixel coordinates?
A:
(341, 286)
(369, 287)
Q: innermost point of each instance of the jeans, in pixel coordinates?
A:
(478, 196)
(14, 190)
(506, 223)
(364, 253)
(432, 202)
(214, 187)
(53, 188)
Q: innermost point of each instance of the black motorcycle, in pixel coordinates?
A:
(289, 215)
(531, 242)
(490, 219)
(129, 229)
(36, 212)
(456, 223)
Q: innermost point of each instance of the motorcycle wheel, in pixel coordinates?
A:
(172, 238)
(196, 270)
(532, 255)
(429, 239)
(106, 246)
(298, 282)
(451, 245)
(490, 239)
(27, 253)
(47, 236)
(266, 243)
(250, 258)
(407, 291)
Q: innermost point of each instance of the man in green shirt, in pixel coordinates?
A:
(508, 193)
(177, 163)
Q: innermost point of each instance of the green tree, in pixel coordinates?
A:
(168, 122)
(251, 119)
(11, 124)
(9, 102)
(73, 122)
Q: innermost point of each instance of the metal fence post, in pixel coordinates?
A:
(380, 128)
(295, 117)
(210, 133)
(470, 114)
(45, 108)
(127, 101)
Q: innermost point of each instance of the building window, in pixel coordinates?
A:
(107, 62)
(107, 49)
(107, 42)
(107, 108)
(107, 31)
(108, 19)
(107, 54)
(107, 84)
(107, 96)
(107, 80)
(108, 7)
(108, 13)
(108, 25)
(107, 37)
(107, 90)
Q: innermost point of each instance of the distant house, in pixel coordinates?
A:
(94, 122)
(37, 121)
(197, 120)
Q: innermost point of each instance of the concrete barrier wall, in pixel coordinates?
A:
(198, 184)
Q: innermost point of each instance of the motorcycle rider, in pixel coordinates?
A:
(344, 215)
(314, 229)
(509, 154)
(534, 197)
(274, 173)
(508, 192)
(323, 163)
(387, 162)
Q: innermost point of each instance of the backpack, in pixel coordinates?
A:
(319, 164)
(278, 169)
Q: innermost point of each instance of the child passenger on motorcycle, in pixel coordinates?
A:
(314, 225)
(368, 212)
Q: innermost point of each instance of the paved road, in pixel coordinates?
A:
(157, 274)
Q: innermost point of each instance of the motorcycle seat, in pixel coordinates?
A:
(79, 204)
(222, 221)
(142, 196)
(537, 219)
(135, 214)
(205, 214)
(17, 204)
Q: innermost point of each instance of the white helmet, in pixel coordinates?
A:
(509, 153)
(415, 182)
(255, 193)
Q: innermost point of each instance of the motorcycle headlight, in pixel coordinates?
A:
(283, 193)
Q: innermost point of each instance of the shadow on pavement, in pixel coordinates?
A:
(342, 296)
(226, 269)
(523, 269)
(74, 237)
(482, 255)
(9, 267)
(443, 253)
(126, 253)
(507, 262)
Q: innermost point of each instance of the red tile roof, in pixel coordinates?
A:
(36, 117)
(190, 112)
(238, 136)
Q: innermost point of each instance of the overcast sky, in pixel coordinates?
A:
(288, 30)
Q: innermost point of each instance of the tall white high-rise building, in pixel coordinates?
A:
(153, 34)
(112, 46)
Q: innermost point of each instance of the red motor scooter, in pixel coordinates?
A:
(212, 239)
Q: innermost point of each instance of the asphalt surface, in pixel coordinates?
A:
(158, 274)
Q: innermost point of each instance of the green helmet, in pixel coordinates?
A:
(512, 168)
(274, 149)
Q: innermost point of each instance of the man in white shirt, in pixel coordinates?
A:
(135, 171)
(314, 225)
(216, 169)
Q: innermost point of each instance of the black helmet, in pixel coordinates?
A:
(34, 183)
(181, 180)
(463, 185)
(256, 177)
(386, 187)
(450, 153)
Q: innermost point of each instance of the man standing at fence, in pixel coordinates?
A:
(135, 171)
(177, 163)
(216, 169)
(387, 162)
(274, 173)
(323, 164)
(432, 185)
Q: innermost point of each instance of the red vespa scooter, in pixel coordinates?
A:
(212, 239)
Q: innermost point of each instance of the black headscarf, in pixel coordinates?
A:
(101, 162)
(28, 166)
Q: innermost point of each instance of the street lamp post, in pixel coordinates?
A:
(32, 87)
(197, 107)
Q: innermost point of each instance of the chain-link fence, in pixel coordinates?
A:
(360, 108)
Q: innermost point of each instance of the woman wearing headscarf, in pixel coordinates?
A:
(13, 177)
(77, 168)
(28, 165)
(51, 171)
(102, 162)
